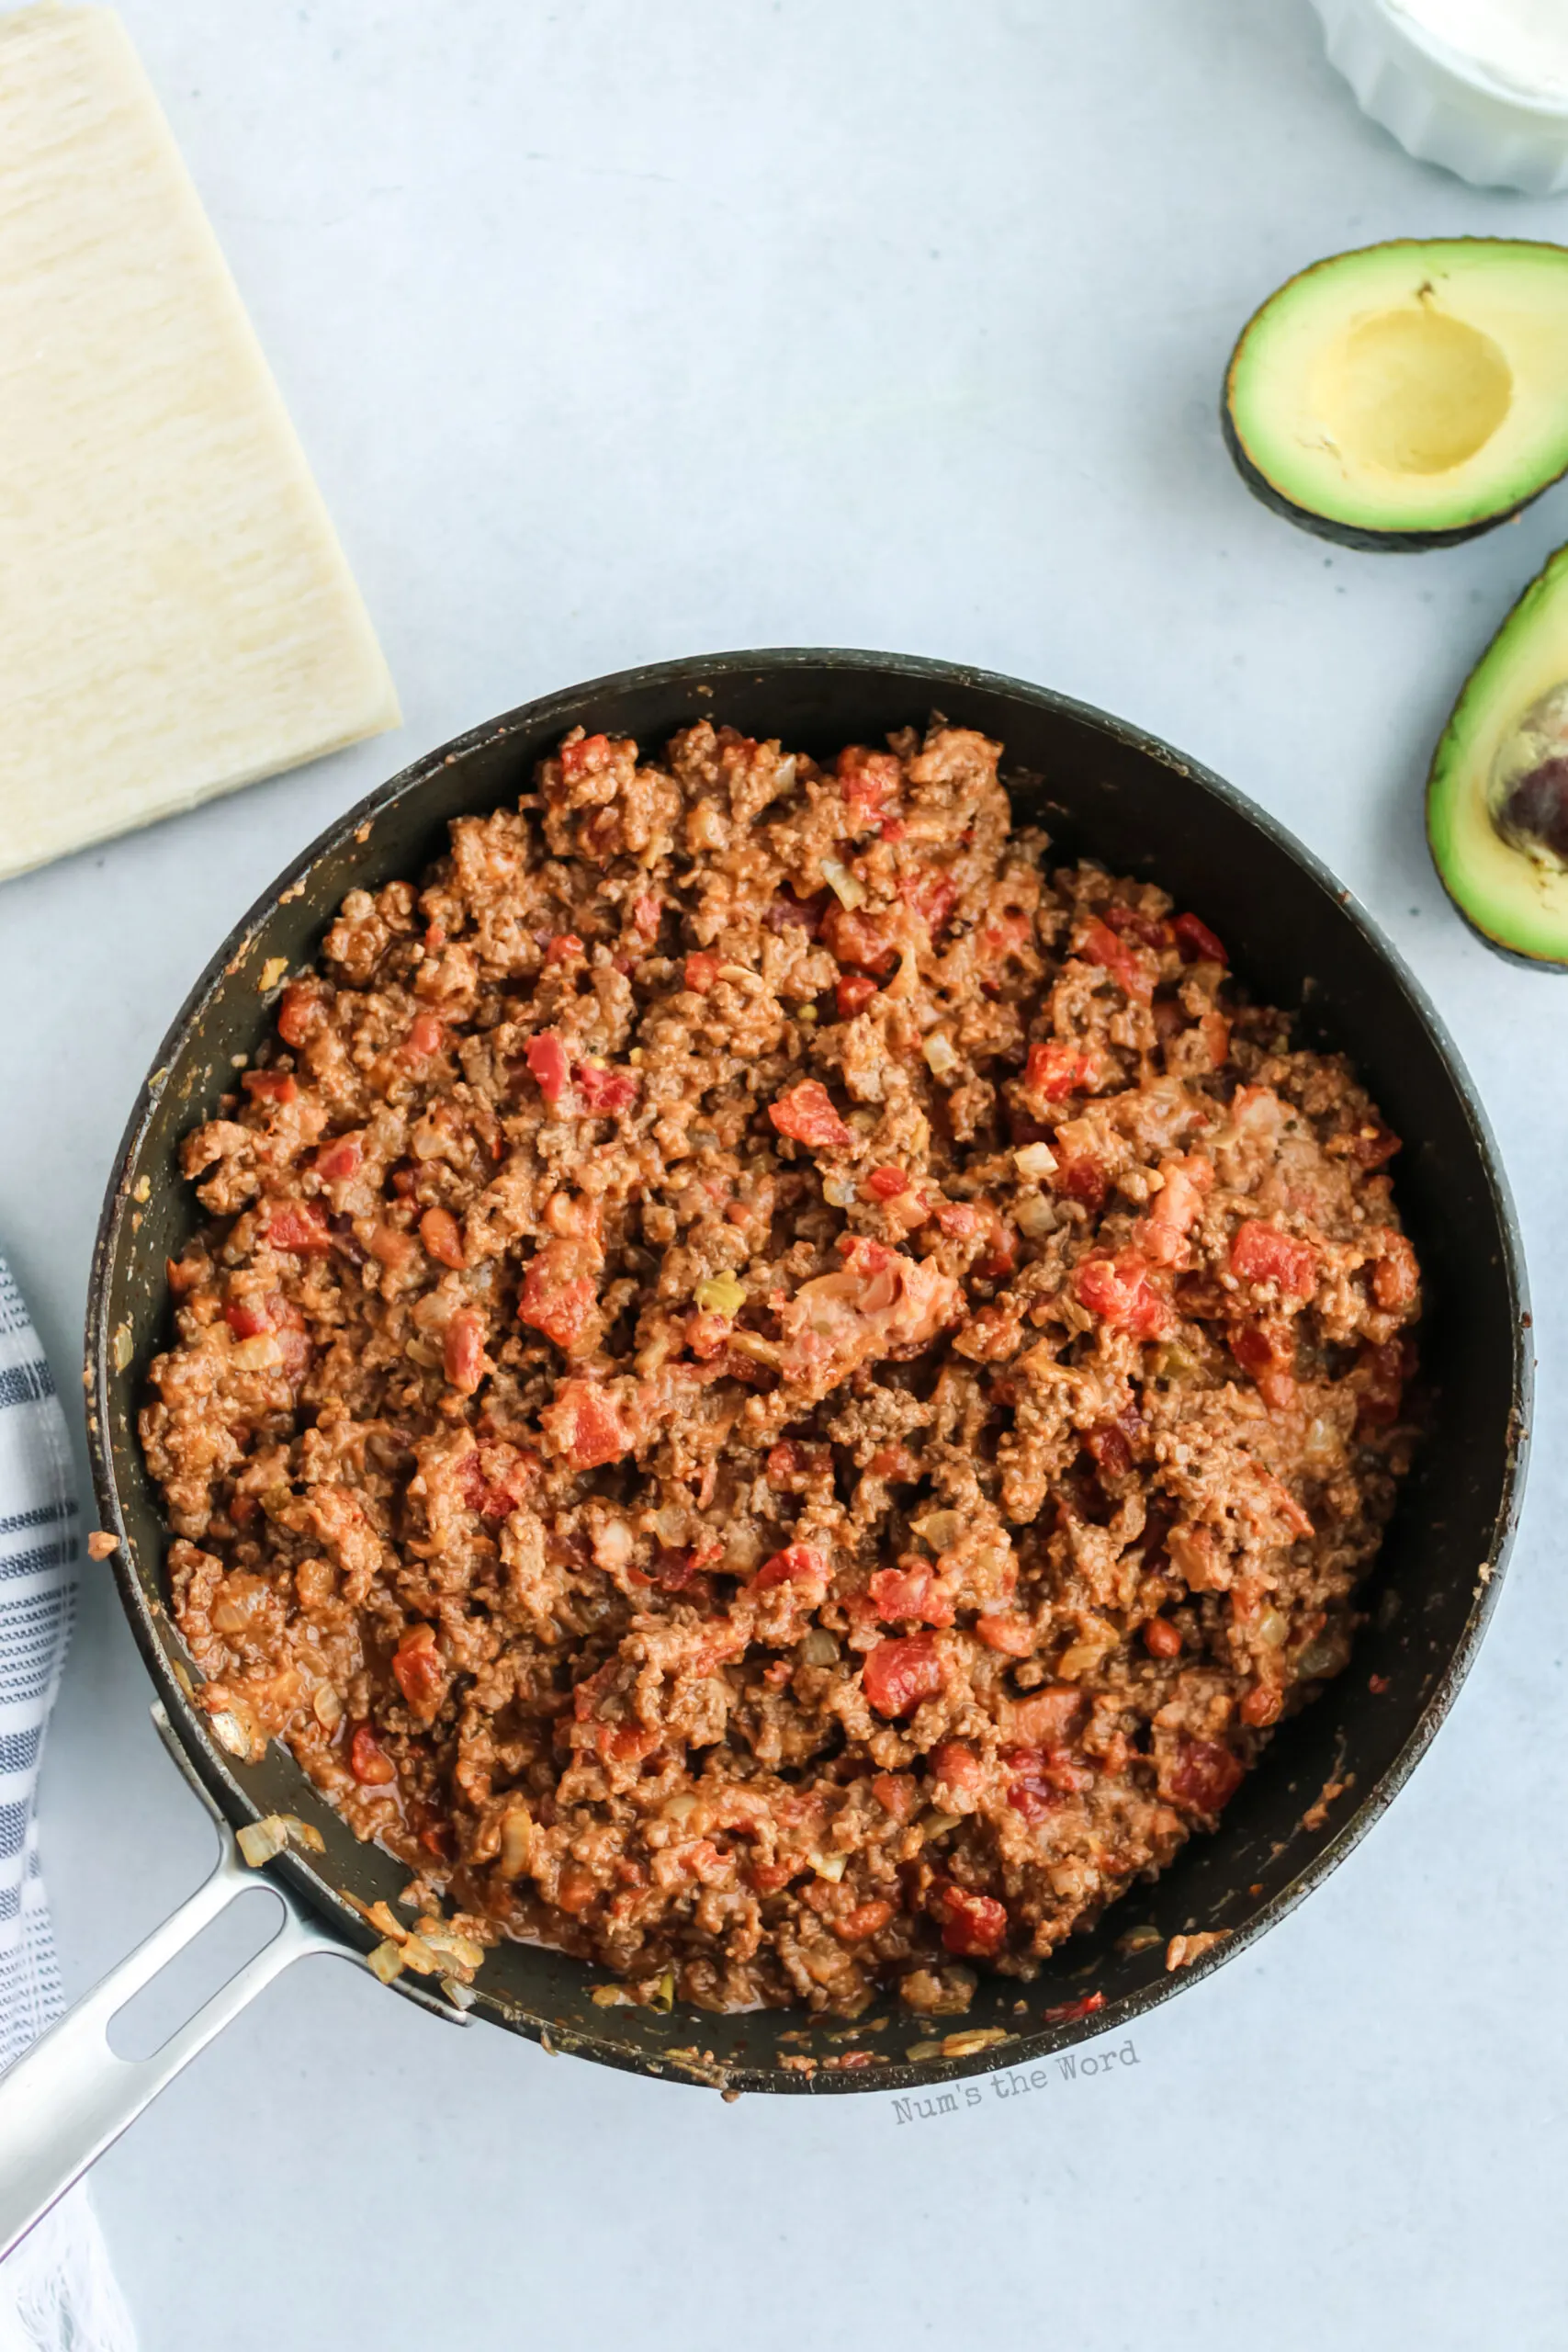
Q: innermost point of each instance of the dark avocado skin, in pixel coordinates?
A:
(1322, 526)
(1509, 954)
(1352, 535)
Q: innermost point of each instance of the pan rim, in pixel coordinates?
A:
(929, 676)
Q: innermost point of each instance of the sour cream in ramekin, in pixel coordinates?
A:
(1522, 45)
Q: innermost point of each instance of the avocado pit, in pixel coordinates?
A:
(1528, 799)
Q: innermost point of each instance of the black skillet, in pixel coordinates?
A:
(1102, 789)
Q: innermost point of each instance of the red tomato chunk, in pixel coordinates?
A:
(899, 1676)
(1261, 1253)
(807, 1112)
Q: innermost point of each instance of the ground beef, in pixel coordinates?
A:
(775, 1394)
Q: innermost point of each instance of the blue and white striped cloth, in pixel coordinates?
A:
(57, 2292)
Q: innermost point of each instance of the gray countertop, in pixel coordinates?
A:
(616, 331)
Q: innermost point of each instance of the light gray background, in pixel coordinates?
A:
(617, 331)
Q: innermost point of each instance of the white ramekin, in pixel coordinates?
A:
(1439, 106)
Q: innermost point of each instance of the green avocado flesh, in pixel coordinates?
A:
(1409, 394)
(1497, 796)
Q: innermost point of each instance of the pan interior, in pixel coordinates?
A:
(1101, 790)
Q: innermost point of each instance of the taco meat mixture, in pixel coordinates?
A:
(776, 1393)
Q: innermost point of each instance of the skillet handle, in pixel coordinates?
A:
(69, 2098)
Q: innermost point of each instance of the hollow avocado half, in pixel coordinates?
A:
(1406, 396)
(1498, 795)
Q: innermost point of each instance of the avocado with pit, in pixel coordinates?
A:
(1498, 795)
(1406, 396)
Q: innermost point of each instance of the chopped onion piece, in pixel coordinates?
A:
(1035, 1161)
(260, 1840)
(828, 1865)
(818, 1648)
(516, 1839)
(612, 1997)
(847, 887)
(233, 1733)
(386, 1961)
(720, 1294)
(679, 1809)
(919, 2050)
(936, 1824)
(1036, 1215)
(940, 1057)
(939, 1529)
(977, 2038)
(462, 1997)
(838, 1191)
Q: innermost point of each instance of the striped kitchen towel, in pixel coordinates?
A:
(57, 2291)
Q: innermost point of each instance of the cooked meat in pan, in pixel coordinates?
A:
(775, 1392)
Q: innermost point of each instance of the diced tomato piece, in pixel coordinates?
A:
(423, 1037)
(790, 913)
(1151, 931)
(1005, 935)
(584, 1423)
(302, 1013)
(646, 912)
(463, 1350)
(443, 1237)
(607, 1091)
(853, 993)
(585, 757)
(866, 1919)
(1373, 1146)
(897, 1794)
(869, 782)
(564, 948)
(558, 1293)
(1080, 1177)
(1069, 2012)
(887, 1183)
(300, 1226)
(807, 1112)
(1268, 1351)
(959, 1220)
(1101, 946)
(1381, 1375)
(421, 1674)
(854, 937)
(1110, 1448)
(495, 1477)
(955, 1766)
(1056, 1071)
(1013, 1636)
(973, 1925)
(1395, 1275)
(899, 1676)
(1118, 1291)
(551, 1068)
(932, 895)
(702, 971)
(1050, 1718)
(802, 1564)
(1206, 1776)
(767, 1878)
(368, 1760)
(269, 1085)
(249, 1317)
(1197, 942)
(787, 1461)
(898, 1594)
(337, 1162)
(1261, 1253)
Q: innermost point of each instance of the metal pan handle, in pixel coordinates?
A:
(70, 2096)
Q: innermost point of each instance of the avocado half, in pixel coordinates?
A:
(1406, 396)
(1498, 795)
